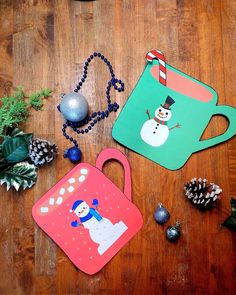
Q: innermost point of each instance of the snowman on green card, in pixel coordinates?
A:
(155, 131)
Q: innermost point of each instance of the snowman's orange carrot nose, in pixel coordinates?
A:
(162, 114)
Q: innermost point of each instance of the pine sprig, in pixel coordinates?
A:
(15, 108)
(36, 99)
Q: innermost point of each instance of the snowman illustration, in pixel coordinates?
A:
(101, 230)
(155, 131)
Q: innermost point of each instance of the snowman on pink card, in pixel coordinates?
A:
(101, 230)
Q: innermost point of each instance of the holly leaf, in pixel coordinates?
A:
(230, 222)
(21, 175)
(17, 132)
(15, 149)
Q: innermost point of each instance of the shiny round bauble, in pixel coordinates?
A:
(161, 215)
(74, 107)
(74, 154)
(173, 232)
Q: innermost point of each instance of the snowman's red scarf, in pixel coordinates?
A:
(160, 121)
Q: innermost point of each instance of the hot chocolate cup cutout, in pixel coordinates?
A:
(167, 113)
(87, 216)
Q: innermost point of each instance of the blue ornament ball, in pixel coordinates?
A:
(173, 232)
(74, 154)
(161, 215)
(74, 107)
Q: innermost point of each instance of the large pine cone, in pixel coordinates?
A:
(41, 151)
(202, 194)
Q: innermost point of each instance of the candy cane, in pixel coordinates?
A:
(157, 54)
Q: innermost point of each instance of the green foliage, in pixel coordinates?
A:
(21, 174)
(230, 222)
(15, 149)
(36, 99)
(15, 108)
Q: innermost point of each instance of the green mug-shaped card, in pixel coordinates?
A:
(167, 113)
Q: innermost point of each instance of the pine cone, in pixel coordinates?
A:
(202, 194)
(41, 151)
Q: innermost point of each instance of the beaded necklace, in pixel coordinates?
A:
(74, 153)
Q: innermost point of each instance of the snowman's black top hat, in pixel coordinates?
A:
(169, 101)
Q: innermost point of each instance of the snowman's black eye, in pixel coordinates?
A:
(167, 113)
(84, 207)
(159, 110)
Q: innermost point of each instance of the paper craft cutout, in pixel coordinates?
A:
(101, 230)
(190, 105)
(155, 131)
(87, 215)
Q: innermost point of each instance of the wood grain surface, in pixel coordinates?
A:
(44, 43)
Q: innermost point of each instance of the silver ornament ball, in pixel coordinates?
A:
(74, 107)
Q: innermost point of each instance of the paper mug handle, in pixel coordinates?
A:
(230, 114)
(111, 153)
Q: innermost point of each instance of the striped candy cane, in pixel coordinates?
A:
(157, 54)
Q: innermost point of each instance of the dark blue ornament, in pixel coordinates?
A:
(74, 154)
(161, 215)
(173, 232)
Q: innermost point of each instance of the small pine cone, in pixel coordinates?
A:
(41, 151)
(202, 194)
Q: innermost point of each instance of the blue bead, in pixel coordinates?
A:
(71, 139)
(95, 54)
(78, 131)
(91, 56)
(76, 90)
(89, 59)
(89, 127)
(74, 154)
(99, 54)
(80, 83)
(102, 56)
(86, 64)
(99, 118)
(74, 141)
(67, 136)
(92, 124)
(95, 121)
(82, 131)
(86, 130)
(82, 80)
(105, 59)
(58, 107)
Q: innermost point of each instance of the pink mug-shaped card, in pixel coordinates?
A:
(87, 216)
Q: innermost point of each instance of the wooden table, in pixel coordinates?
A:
(44, 43)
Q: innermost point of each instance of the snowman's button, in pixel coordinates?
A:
(84, 171)
(81, 178)
(154, 132)
(155, 127)
(59, 200)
